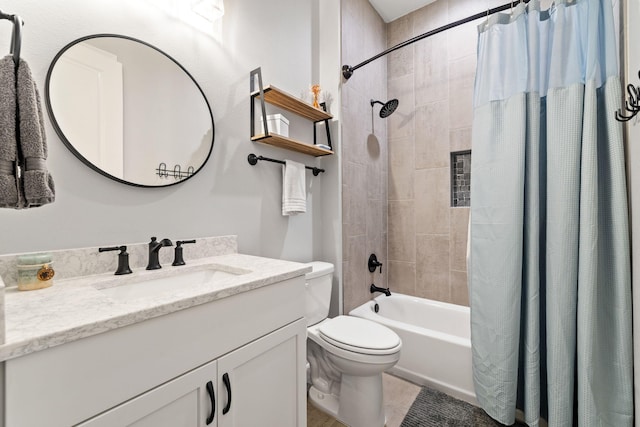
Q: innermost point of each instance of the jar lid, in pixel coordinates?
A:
(31, 259)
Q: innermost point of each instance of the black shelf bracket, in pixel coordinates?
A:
(257, 73)
(326, 124)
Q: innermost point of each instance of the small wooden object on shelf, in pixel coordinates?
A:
(282, 99)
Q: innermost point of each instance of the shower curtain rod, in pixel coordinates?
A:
(347, 70)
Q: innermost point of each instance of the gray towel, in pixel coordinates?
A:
(9, 188)
(37, 183)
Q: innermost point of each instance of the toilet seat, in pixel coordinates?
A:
(359, 336)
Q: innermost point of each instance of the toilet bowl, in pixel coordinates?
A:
(347, 356)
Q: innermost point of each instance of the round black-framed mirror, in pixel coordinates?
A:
(110, 104)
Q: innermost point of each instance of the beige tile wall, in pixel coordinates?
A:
(433, 80)
(396, 176)
(364, 153)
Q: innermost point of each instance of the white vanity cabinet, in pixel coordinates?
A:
(261, 380)
(182, 402)
(156, 372)
(256, 383)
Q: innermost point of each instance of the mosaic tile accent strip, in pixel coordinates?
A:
(461, 179)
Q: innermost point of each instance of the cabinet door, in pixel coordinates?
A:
(264, 382)
(183, 402)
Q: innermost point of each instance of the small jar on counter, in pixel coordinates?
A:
(35, 271)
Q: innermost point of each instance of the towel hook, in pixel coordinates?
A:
(632, 103)
(16, 38)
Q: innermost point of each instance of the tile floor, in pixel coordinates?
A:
(398, 397)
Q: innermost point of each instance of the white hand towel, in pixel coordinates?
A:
(294, 193)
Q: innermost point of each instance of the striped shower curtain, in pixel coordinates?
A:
(549, 267)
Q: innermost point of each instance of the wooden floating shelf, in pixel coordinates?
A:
(282, 99)
(291, 144)
(279, 98)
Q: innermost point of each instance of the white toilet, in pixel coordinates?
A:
(347, 356)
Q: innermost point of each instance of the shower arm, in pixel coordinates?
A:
(347, 70)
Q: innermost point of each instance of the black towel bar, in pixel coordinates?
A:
(253, 160)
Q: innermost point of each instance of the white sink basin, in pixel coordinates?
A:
(154, 287)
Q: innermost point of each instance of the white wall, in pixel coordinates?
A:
(228, 196)
(327, 71)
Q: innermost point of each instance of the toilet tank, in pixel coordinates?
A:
(318, 291)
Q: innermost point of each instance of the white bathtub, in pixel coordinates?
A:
(436, 345)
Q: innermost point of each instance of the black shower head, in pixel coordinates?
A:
(387, 108)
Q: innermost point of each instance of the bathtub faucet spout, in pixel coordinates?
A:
(375, 288)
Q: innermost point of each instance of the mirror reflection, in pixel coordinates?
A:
(129, 111)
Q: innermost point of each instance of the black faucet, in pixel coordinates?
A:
(154, 251)
(385, 291)
(123, 259)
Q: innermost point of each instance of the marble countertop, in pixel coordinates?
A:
(76, 308)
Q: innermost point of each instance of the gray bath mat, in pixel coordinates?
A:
(435, 409)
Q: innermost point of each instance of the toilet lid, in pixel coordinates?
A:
(360, 335)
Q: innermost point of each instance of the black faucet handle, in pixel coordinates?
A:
(373, 263)
(182, 242)
(178, 259)
(123, 259)
(113, 248)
